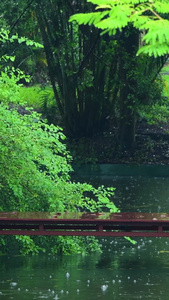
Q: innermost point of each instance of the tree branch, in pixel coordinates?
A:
(21, 15)
(87, 55)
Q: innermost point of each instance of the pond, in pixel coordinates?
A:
(139, 194)
(122, 271)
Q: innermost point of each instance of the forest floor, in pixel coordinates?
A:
(152, 147)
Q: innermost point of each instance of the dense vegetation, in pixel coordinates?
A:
(35, 166)
(95, 78)
(79, 78)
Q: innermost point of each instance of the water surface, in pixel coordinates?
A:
(122, 271)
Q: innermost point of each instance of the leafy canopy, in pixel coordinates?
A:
(149, 17)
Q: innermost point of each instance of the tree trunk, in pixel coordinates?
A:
(128, 87)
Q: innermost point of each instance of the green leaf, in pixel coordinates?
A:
(147, 16)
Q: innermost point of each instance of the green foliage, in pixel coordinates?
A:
(28, 246)
(156, 110)
(48, 105)
(35, 165)
(10, 77)
(35, 170)
(79, 68)
(27, 147)
(140, 29)
(130, 240)
(165, 78)
(9, 87)
(158, 114)
(6, 37)
(31, 96)
(76, 245)
(35, 96)
(146, 16)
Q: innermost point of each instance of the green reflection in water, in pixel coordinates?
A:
(138, 194)
(122, 271)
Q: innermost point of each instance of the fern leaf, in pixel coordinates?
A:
(103, 7)
(155, 50)
(160, 7)
(88, 18)
(156, 33)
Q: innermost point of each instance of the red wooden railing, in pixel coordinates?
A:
(85, 224)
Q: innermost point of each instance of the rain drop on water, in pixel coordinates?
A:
(104, 287)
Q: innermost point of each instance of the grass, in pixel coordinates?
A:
(43, 101)
(34, 96)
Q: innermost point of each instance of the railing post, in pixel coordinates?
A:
(100, 228)
(41, 227)
(160, 229)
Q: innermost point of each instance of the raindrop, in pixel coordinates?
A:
(13, 283)
(104, 287)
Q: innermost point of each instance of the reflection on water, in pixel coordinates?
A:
(138, 194)
(122, 271)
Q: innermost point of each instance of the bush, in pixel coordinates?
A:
(35, 170)
(35, 173)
